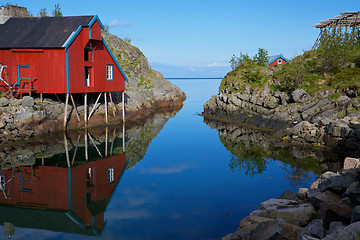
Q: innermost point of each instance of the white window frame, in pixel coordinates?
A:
(111, 175)
(109, 72)
(279, 61)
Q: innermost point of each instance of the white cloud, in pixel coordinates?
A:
(216, 64)
(116, 23)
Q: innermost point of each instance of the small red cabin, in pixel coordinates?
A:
(57, 55)
(277, 60)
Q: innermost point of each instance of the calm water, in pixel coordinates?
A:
(182, 181)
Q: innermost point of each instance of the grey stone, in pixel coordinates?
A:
(355, 214)
(350, 232)
(306, 237)
(335, 226)
(336, 183)
(4, 102)
(354, 195)
(316, 197)
(290, 211)
(288, 195)
(314, 229)
(350, 163)
(354, 124)
(302, 193)
(323, 177)
(276, 230)
(28, 101)
(299, 95)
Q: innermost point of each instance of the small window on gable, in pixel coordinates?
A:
(87, 54)
(111, 175)
(109, 72)
(279, 61)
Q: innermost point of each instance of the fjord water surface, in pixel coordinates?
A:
(183, 179)
(185, 187)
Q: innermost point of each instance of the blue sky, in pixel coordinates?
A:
(183, 38)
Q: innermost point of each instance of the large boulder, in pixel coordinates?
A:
(290, 211)
(314, 229)
(350, 232)
(276, 229)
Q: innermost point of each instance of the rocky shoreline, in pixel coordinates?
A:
(299, 118)
(21, 119)
(329, 210)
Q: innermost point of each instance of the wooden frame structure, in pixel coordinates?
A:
(348, 20)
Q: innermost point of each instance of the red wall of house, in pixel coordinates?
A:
(48, 66)
(275, 62)
(101, 58)
(49, 188)
(96, 31)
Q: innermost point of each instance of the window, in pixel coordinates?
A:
(109, 72)
(88, 77)
(279, 61)
(88, 54)
(111, 175)
(2, 182)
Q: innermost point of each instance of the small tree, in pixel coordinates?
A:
(262, 57)
(42, 13)
(106, 29)
(57, 11)
(127, 39)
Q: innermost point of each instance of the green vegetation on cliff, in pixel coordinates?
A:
(333, 65)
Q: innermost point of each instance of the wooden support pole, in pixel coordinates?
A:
(76, 111)
(41, 97)
(66, 150)
(113, 104)
(66, 113)
(86, 145)
(85, 111)
(76, 147)
(112, 142)
(123, 136)
(94, 107)
(123, 106)
(97, 149)
(106, 108)
(106, 140)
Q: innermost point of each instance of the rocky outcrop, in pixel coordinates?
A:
(313, 119)
(328, 210)
(147, 89)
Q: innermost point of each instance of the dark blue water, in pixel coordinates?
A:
(184, 188)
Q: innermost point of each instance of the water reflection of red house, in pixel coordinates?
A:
(76, 196)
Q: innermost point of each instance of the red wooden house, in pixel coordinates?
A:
(57, 55)
(277, 60)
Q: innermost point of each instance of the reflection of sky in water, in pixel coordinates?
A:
(184, 187)
(184, 183)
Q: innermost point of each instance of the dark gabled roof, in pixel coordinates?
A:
(48, 32)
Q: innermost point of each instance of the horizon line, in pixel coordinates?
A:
(194, 78)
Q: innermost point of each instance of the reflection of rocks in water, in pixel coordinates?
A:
(253, 148)
(137, 140)
(140, 137)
